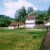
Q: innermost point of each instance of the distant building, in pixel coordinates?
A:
(16, 25)
(30, 22)
(47, 23)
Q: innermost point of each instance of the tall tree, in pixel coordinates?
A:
(49, 12)
(20, 14)
(41, 17)
(30, 11)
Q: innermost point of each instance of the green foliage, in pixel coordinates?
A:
(29, 10)
(13, 20)
(39, 21)
(49, 10)
(41, 17)
(4, 20)
(20, 14)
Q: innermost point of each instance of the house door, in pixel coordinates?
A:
(18, 26)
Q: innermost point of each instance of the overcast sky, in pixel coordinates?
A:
(8, 7)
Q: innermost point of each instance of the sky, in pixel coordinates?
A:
(9, 7)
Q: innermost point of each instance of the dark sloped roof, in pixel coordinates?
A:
(13, 24)
(16, 23)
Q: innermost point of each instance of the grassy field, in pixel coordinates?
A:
(21, 39)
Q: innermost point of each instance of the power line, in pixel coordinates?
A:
(26, 16)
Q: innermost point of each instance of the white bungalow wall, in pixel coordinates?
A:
(10, 27)
(30, 23)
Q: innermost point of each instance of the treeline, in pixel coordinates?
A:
(41, 16)
(5, 20)
(22, 14)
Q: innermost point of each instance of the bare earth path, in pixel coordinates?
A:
(46, 43)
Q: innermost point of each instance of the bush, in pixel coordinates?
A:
(39, 21)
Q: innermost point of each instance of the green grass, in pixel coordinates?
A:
(21, 39)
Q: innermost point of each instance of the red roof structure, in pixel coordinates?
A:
(30, 18)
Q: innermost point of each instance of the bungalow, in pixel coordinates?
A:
(47, 23)
(16, 25)
(30, 22)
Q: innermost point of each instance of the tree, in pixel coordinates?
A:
(41, 17)
(39, 21)
(4, 20)
(20, 14)
(49, 12)
(30, 11)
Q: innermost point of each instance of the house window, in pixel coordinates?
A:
(30, 23)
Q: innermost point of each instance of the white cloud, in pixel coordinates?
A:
(11, 7)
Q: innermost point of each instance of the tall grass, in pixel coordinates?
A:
(21, 39)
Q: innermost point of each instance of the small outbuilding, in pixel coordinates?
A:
(47, 23)
(16, 25)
